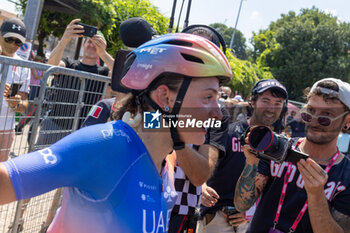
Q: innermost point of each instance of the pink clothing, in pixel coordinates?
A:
(34, 81)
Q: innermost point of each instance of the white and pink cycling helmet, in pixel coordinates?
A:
(178, 53)
(188, 55)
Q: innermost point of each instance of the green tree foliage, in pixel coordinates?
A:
(246, 74)
(301, 49)
(106, 14)
(239, 47)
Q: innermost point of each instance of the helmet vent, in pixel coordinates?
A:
(192, 58)
(179, 42)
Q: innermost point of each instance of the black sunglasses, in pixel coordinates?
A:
(322, 120)
(10, 40)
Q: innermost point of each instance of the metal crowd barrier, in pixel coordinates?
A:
(63, 101)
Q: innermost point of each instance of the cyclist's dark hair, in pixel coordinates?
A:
(129, 102)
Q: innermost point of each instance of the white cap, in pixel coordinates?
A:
(239, 98)
(344, 90)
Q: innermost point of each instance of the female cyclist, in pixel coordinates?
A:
(113, 171)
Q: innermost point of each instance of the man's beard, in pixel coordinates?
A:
(325, 137)
(268, 121)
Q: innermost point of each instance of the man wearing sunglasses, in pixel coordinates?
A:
(12, 36)
(314, 194)
(218, 214)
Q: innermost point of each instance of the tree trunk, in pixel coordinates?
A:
(41, 38)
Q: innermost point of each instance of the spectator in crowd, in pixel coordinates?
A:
(291, 116)
(240, 111)
(297, 127)
(13, 32)
(94, 48)
(343, 141)
(225, 100)
(227, 90)
(133, 32)
(66, 99)
(314, 194)
(35, 78)
(239, 98)
(217, 210)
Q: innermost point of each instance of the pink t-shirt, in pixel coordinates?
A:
(34, 81)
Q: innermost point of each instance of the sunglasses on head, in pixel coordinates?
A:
(322, 120)
(10, 40)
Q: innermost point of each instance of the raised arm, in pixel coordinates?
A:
(7, 193)
(101, 46)
(323, 220)
(197, 165)
(72, 31)
(250, 184)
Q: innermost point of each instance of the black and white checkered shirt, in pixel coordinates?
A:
(188, 194)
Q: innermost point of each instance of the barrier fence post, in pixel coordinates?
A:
(39, 103)
(79, 105)
(4, 70)
(16, 218)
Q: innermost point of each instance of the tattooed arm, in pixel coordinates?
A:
(250, 184)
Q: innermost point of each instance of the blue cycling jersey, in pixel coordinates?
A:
(113, 184)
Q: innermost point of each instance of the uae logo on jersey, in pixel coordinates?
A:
(151, 120)
(95, 111)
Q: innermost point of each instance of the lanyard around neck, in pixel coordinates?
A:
(284, 190)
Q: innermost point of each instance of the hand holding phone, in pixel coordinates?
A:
(89, 30)
(15, 89)
(229, 210)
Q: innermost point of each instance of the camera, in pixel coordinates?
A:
(224, 96)
(269, 145)
(89, 31)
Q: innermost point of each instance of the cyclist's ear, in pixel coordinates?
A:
(162, 96)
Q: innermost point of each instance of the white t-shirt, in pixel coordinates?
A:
(16, 74)
(343, 142)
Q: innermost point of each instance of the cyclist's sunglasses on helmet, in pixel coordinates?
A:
(11, 39)
(322, 120)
